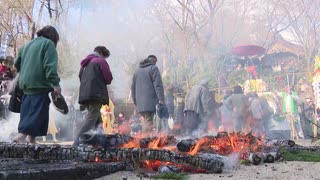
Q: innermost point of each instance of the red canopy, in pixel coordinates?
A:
(248, 50)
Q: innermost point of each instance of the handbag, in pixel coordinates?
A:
(16, 99)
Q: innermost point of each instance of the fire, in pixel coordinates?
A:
(197, 147)
(96, 159)
(154, 165)
(157, 143)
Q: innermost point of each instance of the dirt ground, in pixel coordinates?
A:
(274, 171)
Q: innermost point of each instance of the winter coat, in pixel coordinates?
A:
(255, 108)
(37, 63)
(198, 100)
(226, 118)
(170, 102)
(267, 110)
(147, 89)
(238, 103)
(94, 76)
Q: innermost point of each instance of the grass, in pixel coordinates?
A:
(177, 176)
(245, 162)
(302, 156)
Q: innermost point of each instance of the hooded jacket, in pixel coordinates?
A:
(147, 88)
(198, 100)
(94, 76)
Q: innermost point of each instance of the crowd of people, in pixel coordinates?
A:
(160, 109)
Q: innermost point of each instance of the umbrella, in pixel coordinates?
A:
(248, 50)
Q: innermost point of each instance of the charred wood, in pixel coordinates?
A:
(38, 170)
(105, 140)
(186, 145)
(214, 163)
(299, 148)
(256, 159)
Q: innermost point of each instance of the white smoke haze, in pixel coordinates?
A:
(9, 127)
(231, 161)
(120, 26)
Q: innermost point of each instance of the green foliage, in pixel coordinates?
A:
(302, 156)
(245, 162)
(237, 78)
(178, 176)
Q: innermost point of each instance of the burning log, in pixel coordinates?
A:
(214, 163)
(255, 159)
(16, 169)
(186, 145)
(105, 140)
(299, 148)
(272, 142)
(269, 158)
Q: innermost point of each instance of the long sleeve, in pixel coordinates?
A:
(205, 99)
(17, 62)
(50, 64)
(133, 89)
(107, 75)
(157, 83)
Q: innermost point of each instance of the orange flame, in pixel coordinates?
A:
(196, 148)
(96, 159)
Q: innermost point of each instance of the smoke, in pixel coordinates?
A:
(231, 161)
(9, 127)
(120, 26)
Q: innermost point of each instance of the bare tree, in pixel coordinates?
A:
(303, 16)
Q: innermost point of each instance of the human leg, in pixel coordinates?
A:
(147, 125)
(92, 118)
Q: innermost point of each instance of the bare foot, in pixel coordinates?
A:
(20, 138)
(31, 140)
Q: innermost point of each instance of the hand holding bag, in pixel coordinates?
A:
(16, 96)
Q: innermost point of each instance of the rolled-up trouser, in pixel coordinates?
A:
(93, 118)
(148, 121)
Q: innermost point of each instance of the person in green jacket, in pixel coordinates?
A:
(37, 66)
(290, 104)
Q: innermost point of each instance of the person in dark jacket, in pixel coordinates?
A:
(162, 124)
(37, 63)
(197, 108)
(94, 76)
(147, 91)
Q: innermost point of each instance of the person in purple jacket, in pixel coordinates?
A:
(94, 76)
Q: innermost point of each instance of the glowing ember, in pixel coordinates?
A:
(97, 159)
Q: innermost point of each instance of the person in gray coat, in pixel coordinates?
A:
(147, 91)
(197, 107)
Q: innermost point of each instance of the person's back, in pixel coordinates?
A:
(197, 100)
(94, 76)
(147, 87)
(37, 65)
(147, 91)
(37, 55)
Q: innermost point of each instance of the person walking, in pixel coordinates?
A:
(197, 108)
(37, 63)
(94, 76)
(147, 91)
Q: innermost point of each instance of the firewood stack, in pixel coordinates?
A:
(102, 154)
